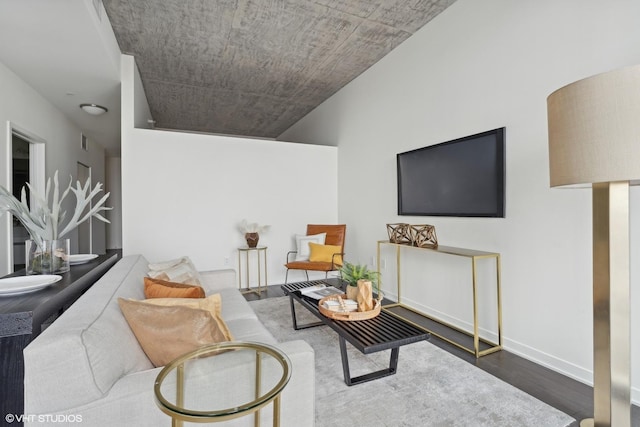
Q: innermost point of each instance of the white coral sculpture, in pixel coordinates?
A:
(44, 223)
(252, 227)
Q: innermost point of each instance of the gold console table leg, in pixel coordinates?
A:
(474, 255)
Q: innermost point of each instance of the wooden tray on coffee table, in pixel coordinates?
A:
(349, 315)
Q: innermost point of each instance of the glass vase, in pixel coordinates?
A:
(50, 258)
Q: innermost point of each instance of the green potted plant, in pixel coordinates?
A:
(359, 276)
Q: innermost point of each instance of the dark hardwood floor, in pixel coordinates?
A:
(569, 396)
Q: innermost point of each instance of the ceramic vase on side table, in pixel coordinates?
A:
(252, 239)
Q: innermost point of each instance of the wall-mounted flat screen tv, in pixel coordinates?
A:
(464, 177)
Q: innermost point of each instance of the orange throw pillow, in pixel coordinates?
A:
(156, 288)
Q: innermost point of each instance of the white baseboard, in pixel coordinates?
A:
(444, 317)
(556, 364)
(549, 361)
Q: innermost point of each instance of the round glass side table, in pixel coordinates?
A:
(196, 370)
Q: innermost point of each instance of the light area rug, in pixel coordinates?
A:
(431, 388)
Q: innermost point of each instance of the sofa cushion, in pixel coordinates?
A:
(156, 288)
(90, 343)
(248, 329)
(166, 332)
(111, 346)
(235, 306)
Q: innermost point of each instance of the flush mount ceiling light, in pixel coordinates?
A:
(93, 109)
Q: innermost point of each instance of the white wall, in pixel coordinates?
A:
(141, 111)
(24, 107)
(184, 194)
(479, 66)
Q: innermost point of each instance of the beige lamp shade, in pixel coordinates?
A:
(594, 129)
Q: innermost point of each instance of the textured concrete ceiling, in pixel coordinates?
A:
(255, 67)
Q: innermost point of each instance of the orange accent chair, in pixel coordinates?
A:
(335, 236)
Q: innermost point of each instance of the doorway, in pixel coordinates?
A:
(85, 235)
(25, 163)
(20, 177)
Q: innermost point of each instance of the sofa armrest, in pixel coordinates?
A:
(299, 396)
(213, 280)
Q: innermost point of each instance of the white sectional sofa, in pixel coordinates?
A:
(89, 366)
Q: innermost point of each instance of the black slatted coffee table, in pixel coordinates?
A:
(383, 332)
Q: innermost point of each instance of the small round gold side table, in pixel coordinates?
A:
(247, 250)
(179, 413)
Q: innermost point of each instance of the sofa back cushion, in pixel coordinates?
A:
(112, 348)
(85, 351)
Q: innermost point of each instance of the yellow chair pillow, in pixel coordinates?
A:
(324, 253)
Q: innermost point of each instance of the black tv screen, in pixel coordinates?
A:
(464, 177)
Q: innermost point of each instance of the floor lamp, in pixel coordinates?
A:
(594, 139)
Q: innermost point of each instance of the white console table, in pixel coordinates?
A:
(474, 256)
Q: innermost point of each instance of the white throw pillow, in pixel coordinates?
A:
(180, 270)
(302, 244)
(165, 265)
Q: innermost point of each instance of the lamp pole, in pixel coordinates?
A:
(611, 307)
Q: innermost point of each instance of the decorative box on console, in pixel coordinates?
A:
(399, 233)
(424, 236)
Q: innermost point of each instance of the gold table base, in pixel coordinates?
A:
(179, 413)
(474, 256)
(247, 250)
